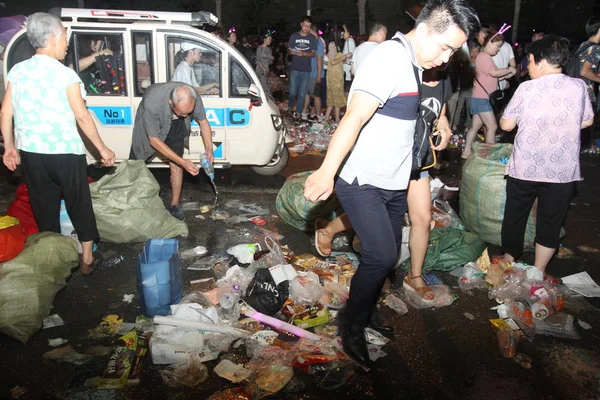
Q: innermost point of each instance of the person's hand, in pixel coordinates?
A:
(105, 52)
(210, 156)
(445, 132)
(318, 80)
(214, 90)
(190, 167)
(107, 156)
(11, 158)
(318, 186)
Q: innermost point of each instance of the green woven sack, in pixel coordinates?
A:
(483, 194)
(29, 282)
(450, 248)
(128, 208)
(294, 209)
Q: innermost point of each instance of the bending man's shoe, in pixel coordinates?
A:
(353, 340)
(378, 323)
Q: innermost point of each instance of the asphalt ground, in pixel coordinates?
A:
(434, 353)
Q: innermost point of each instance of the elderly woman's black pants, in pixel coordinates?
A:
(48, 176)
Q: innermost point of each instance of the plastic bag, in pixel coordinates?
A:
(396, 304)
(29, 282)
(190, 374)
(305, 288)
(128, 207)
(335, 295)
(12, 241)
(271, 259)
(264, 296)
(21, 210)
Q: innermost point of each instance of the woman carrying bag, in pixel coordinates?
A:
(486, 82)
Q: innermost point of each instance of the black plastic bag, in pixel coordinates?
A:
(264, 296)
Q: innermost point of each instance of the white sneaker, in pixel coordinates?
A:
(295, 115)
(304, 116)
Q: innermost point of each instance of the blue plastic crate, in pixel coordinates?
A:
(159, 276)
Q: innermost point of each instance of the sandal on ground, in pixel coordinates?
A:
(90, 267)
(324, 251)
(421, 291)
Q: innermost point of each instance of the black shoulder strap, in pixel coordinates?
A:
(415, 69)
(584, 48)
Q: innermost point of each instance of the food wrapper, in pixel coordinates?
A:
(483, 262)
(306, 262)
(311, 316)
(507, 323)
(125, 365)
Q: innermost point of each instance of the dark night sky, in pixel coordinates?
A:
(252, 16)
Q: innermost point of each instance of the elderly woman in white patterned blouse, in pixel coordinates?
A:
(45, 99)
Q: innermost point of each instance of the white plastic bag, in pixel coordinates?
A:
(305, 288)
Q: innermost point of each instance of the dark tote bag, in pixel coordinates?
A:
(498, 98)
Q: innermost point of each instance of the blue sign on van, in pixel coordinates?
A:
(112, 116)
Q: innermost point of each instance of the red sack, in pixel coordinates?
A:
(21, 210)
(12, 242)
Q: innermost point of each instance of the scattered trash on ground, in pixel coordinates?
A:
(52, 320)
(57, 342)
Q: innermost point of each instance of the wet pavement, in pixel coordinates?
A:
(435, 353)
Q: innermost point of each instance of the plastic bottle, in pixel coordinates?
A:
(111, 262)
(540, 309)
(209, 169)
(229, 296)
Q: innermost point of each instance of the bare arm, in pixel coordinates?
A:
(586, 72)
(587, 124)
(319, 67)
(11, 155)
(86, 62)
(319, 185)
(86, 123)
(508, 124)
(206, 133)
(502, 72)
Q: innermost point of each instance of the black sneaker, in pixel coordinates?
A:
(177, 212)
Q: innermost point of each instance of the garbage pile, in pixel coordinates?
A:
(264, 320)
(527, 306)
(309, 135)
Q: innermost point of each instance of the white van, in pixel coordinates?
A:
(246, 126)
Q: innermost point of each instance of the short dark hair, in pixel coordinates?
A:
(306, 18)
(552, 48)
(492, 36)
(592, 25)
(439, 15)
(375, 27)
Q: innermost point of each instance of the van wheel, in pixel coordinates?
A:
(277, 164)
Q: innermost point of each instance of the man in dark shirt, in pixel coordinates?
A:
(302, 46)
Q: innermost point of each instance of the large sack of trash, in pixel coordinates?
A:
(450, 248)
(300, 213)
(128, 208)
(29, 282)
(483, 193)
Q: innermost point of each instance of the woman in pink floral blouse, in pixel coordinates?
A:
(550, 110)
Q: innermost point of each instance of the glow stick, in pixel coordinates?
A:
(283, 326)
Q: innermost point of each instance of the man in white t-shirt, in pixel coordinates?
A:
(505, 58)
(378, 132)
(377, 34)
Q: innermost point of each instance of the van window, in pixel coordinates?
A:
(240, 81)
(205, 74)
(104, 74)
(144, 63)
